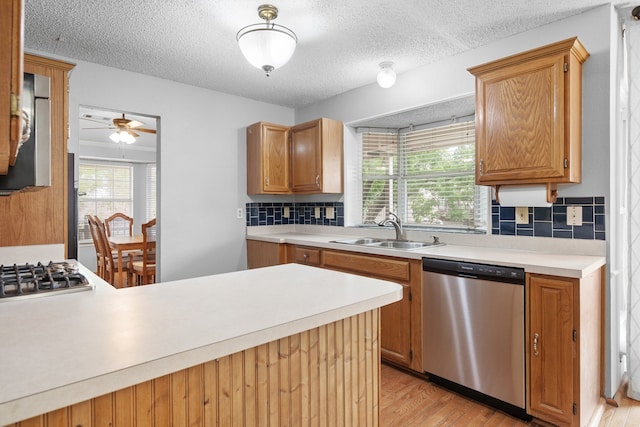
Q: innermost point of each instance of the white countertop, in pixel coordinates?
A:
(62, 349)
(565, 265)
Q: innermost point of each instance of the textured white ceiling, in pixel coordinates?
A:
(340, 42)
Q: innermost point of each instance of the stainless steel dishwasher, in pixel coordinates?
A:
(473, 331)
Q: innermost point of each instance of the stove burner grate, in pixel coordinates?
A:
(32, 279)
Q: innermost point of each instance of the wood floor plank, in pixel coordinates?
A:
(410, 401)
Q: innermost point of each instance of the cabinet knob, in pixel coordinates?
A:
(306, 257)
(536, 337)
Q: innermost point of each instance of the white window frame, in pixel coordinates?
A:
(482, 194)
(84, 235)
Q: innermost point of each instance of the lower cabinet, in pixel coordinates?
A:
(564, 354)
(264, 254)
(400, 322)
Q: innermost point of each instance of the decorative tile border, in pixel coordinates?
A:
(299, 213)
(552, 221)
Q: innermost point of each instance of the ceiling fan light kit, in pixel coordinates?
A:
(267, 46)
(122, 136)
(386, 75)
(125, 129)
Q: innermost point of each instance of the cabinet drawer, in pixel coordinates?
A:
(309, 256)
(368, 264)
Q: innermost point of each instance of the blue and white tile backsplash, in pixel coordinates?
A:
(543, 222)
(552, 221)
(299, 213)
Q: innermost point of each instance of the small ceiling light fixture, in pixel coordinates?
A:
(386, 75)
(636, 13)
(121, 135)
(267, 46)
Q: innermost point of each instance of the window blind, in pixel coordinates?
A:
(151, 192)
(425, 176)
(103, 190)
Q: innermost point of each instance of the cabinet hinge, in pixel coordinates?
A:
(410, 296)
(566, 163)
(575, 335)
(15, 105)
(566, 67)
(411, 354)
(575, 409)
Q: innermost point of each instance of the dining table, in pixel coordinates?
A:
(123, 244)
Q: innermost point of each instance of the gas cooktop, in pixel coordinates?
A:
(33, 280)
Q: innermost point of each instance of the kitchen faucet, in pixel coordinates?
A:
(394, 220)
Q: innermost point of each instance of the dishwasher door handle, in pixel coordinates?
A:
(536, 337)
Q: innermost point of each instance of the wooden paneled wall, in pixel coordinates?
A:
(327, 376)
(39, 216)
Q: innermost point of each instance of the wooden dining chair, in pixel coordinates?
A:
(119, 224)
(144, 269)
(111, 264)
(97, 243)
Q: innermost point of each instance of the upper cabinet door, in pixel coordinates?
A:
(268, 161)
(317, 157)
(529, 116)
(306, 152)
(11, 30)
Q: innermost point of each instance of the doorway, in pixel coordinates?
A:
(116, 171)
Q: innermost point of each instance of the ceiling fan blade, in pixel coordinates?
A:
(145, 130)
(132, 133)
(95, 120)
(134, 124)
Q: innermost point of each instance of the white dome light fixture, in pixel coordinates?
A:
(386, 75)
(267, 46)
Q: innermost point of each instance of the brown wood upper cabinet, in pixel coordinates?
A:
(305, 158)
(529, 116)
(316, 157)
(268, 159)
(11, 59)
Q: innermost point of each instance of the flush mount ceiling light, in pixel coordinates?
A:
(386, 75)
(267, 46)
(122, 135)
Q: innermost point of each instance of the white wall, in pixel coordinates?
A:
(201, 161)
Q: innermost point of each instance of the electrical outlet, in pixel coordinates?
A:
(522, 215)
(285, 212)
(239, 213)
(329, 212)
(574, 215)
(317, 212)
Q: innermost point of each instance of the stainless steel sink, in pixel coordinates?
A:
(397, 244)
(363, 241)
(388, 243)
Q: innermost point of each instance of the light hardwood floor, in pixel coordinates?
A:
(409, 401)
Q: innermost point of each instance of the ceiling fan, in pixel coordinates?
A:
(125, 129)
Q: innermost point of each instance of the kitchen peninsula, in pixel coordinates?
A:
(289, 343)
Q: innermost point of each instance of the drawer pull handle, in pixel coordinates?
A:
(536, 337)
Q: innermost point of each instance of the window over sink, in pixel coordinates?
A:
(425, 175)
